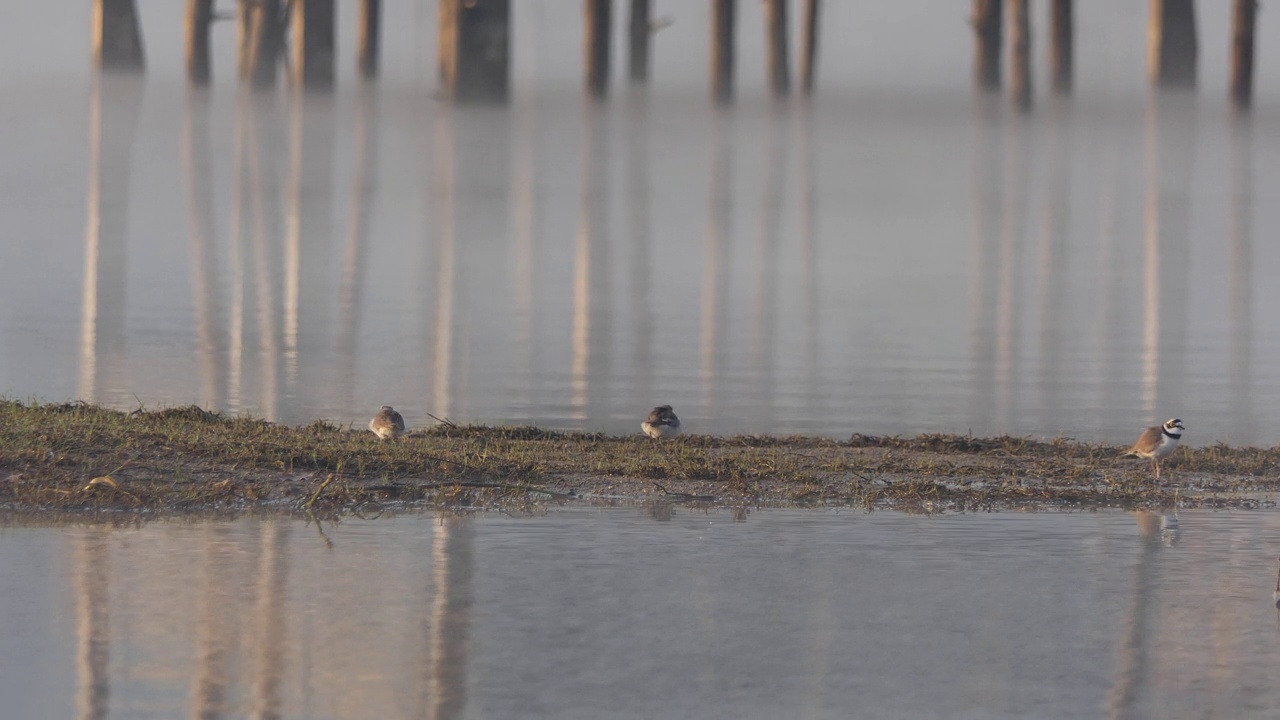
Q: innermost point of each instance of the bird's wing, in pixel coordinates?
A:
(1149, 440)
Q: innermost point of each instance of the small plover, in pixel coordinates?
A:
(387, 423)
(1157, 442)
(661, 423)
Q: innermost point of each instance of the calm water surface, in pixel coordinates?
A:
(646, 612)
(896, 257)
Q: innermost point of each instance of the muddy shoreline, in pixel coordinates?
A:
(77, 458)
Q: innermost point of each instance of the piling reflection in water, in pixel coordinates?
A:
(1134, 662)
(262, 137)
(471, 158)
(356, 242)
(572, 266)
(716, 247)
(592, 322)
(204, 261)
(986, 187)
(1010, 274)
(525, 235)
(446, 243)
(268, 623)
(764, 304)
(92, 625)
(217, 622)
(257, 619)
(1169, 147)
(639, 260)
(811, 277)
(113, 119)
(449, 622)
(1240, 285)
(422, 616)
(308, 290)
(1143, 272)
(1052, 300)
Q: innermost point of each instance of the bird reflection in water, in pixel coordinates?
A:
(1275, 594)
(660, 511)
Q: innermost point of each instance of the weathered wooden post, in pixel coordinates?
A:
(261, 40)
(809, 53)
(475, 49)
(988, 29)
(117, 37)
(1172, 47)
(1020, 46)
(779, 68)
(199, 17)
(1061, 50)
(638, 35)
(244, 37)
(1242, 33)
(598, 22)
(722, 26)
(367, 28)
(313, 47)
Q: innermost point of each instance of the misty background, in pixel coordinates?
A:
(897, 255)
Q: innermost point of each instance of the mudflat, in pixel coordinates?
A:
(79, 457)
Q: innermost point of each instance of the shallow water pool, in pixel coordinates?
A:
(644, 611)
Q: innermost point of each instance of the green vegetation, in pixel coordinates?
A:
(77, 457)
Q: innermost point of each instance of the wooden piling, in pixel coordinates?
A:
(117, 36)
(244, 38)
(809, 51)
(1171, 44)
(199, 17)
(475, 49)
(368, 24)
(988, 29)
(447, 45)
(1242, 34)
(1061, 46)
(262, 38)
(598, 23)
(776, 28)
(1020, 47)
(313, 43)
(722, 27)
(638, 36)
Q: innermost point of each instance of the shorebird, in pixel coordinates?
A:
(387, 423)
(1157, 442)
(661, 423)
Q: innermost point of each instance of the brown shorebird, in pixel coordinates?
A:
(661, 423)
(387, 423)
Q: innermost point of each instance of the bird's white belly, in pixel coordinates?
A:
(1166, 446)
(660, 431)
